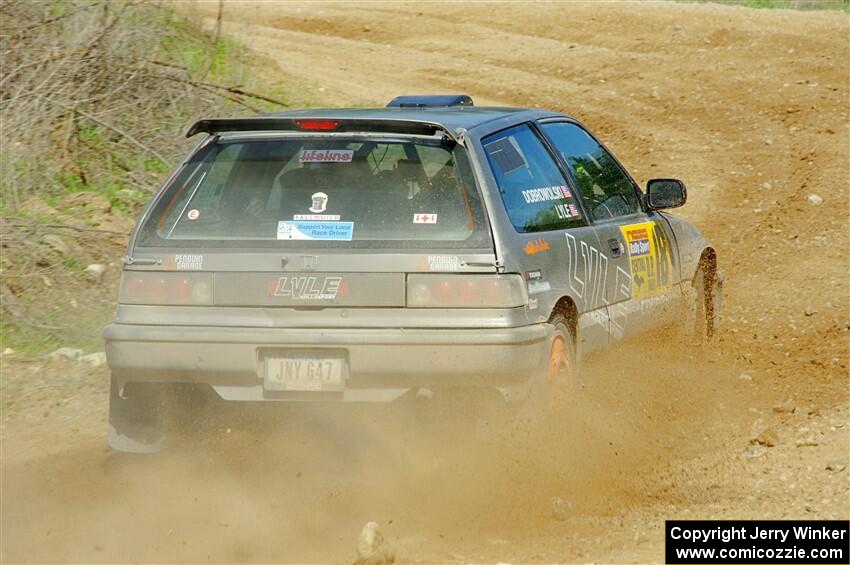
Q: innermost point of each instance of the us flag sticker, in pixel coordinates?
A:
(424, 218)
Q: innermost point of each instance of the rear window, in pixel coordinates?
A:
(321, 192)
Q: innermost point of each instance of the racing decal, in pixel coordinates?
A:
(534, 275)
(587, 274)
(193, 214)
(539, 245)
(180, 262)
(316, 217)
(424, 218)
(326, 156)
(334, 231)
(439, 263)
(536, 287)
(308, 288)
(532, 304)
(649, 255)
(557, 192)
(319, 203)
(560, 192)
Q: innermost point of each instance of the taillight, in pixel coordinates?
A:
(466, 291)
(150, 287)
(317, 125)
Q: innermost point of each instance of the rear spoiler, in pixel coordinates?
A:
(263, 123)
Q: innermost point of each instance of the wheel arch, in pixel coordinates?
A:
(566, 307)
(708, 263)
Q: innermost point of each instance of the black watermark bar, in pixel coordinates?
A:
(757, 541)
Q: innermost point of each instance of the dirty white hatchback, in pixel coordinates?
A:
(371, 255)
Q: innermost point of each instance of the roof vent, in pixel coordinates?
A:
(430, 101)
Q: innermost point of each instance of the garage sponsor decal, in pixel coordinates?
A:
(326, 156)
(308, 288)
(534, 275)
(649, 255)
(439, 263)
(539, 245)
(182, 262)
(424, 218)
(325, 231)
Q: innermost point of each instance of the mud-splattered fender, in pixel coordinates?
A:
(690, 243)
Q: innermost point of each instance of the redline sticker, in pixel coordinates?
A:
(319, 203)
(316, 217)
(424, 218)
(193, 214)
(326, 156)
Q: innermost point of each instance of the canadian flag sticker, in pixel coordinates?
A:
(424, 218)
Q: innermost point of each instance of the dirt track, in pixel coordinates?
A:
(748, 107)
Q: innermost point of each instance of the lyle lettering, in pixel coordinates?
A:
(308, 288)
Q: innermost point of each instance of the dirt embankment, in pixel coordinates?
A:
(748, 107)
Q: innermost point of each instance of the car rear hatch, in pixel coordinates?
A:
(317, 224)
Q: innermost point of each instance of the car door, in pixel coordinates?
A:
(551, 240)
(639, 246)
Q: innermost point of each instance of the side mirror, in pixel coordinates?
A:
(665, 193)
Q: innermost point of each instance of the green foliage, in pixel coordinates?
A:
(111, 126)
(782, 4)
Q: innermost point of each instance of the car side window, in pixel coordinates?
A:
(533, 188)
(607, 190)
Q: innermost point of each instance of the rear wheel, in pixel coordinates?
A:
(562, 370)
(555, 388)
(135, 417)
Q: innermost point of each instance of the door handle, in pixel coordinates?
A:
(614, 247)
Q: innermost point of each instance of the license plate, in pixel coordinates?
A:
(304, 373)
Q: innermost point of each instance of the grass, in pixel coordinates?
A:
(57, 305)
(781, 4)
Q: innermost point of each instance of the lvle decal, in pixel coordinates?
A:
(649, 255)
(587, 274)
(539, 245)
(307, 288)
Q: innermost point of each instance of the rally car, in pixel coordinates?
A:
(366, 255)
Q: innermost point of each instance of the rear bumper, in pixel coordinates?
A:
(383, 364)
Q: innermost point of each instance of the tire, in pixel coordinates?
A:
(556, 385)
(135, 418)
